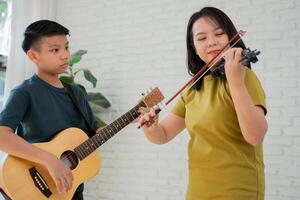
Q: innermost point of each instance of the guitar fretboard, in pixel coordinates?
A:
(104, 134)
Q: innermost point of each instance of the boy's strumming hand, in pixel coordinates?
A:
(60, 173)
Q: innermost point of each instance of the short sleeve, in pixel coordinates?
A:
(255, 90)
(14, 109)
(179, 108)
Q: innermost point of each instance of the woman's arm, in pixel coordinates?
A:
(251, 118)
(163, 132)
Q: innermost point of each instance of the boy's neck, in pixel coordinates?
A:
(52, 79)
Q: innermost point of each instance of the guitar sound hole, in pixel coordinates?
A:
(70, 159)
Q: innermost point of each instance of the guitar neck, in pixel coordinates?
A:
(104, 134)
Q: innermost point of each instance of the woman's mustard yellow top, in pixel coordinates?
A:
(222, 165)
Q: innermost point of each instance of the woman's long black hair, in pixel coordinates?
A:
(194, 62)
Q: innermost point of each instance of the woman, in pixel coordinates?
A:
(225, 117)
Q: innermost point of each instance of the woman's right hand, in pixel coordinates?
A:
(163, 132)
(60, 173)
(148, 118)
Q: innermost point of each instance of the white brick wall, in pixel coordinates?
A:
(136, 44)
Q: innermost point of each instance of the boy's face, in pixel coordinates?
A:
(52, 56)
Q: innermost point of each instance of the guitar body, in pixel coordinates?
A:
(18, 183)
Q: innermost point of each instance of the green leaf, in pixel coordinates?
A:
(77, 71)
(90, 77)
(98, 99)
(3, 10)
(100, 122)
(66, 79)
(76, 57)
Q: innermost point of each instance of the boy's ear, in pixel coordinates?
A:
(33, 56)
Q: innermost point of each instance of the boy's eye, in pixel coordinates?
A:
(54, 50)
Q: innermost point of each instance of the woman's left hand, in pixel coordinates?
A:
(234, 70)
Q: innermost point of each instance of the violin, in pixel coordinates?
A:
(248, 57)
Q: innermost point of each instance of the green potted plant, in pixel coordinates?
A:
(96, 99)
(3, 11)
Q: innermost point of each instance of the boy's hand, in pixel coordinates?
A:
(60, 173)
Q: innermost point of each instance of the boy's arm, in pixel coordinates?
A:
(14, 145)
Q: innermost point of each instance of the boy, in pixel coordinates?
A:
(40, 107)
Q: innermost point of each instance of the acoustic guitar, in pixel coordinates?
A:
(25, 180)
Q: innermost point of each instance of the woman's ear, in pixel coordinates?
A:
(33, 56)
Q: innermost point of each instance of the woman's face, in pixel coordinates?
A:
(208, 38)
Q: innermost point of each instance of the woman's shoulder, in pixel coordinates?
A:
(188, 94)
(251, 75)
(251, 78)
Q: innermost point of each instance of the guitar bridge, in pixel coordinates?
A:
(40, 182)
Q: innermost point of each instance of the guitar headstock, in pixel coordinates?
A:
(152, 98)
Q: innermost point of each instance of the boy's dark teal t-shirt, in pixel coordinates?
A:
(38, 110)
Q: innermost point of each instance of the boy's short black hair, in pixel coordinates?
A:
(39, 29)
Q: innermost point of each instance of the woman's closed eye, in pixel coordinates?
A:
(220, 33)
(200, 38)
